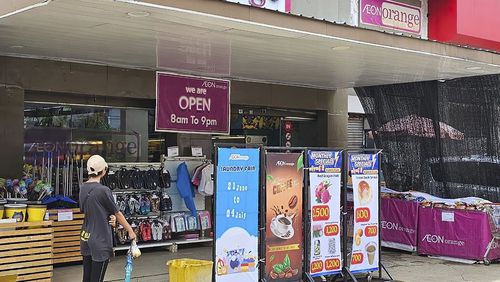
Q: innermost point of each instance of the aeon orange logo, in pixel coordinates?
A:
(258, 3)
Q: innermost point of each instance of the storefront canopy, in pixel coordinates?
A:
(214, 38)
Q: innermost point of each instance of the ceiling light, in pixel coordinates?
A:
(298, 118)
(17, 46)
(138, 14)
(340, 48)
(474, 68)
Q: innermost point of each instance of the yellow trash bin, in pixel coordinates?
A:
(190, 270)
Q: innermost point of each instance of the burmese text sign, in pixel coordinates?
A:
(324, 196)
(365, 183)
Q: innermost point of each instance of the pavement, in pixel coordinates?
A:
(151, 267)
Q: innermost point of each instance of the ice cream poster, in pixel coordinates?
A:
(236, 215)
(324, 204)
(365, 182)
(284, 223)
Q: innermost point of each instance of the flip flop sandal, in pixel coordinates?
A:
(167, 232)
(142, 203)
(135, 207)
(146, 181)
(153, 232)
(145, 231)
(123, 176)
(121, 235)
(165, 178)
(120, 203)
(127, 211)
(147, 204)
(155, 203)
(137, 231)
(137, 179)
(158, 230)
(154, 178)
(166, 203)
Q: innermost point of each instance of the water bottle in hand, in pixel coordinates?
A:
(128, 268)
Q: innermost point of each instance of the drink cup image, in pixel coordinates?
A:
(317, 248)
(371, 250)
(281, 226)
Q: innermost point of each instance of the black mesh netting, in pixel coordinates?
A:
(440, 138)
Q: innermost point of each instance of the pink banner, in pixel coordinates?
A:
(192, 104)
(390, 14)
(457, 234)
(399, 220)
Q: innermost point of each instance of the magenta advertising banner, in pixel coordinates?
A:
(457, 234)
(275, 5)
(192, 104)
(399, 220)
(391, 14)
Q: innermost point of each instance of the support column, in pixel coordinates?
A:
(338, 118)
(11, 131)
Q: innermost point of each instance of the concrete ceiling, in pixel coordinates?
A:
(126, 34)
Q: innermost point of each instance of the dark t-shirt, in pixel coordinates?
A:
(96, 239)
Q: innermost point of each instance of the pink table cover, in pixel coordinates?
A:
(399, 220)
(455, 233)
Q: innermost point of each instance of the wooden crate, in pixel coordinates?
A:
(26, 253)
(67, 237)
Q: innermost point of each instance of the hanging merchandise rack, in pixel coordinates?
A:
(138, 201)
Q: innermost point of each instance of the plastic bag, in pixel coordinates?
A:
(134, 250)
(133, 253)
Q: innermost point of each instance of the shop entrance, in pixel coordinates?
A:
(275, 127)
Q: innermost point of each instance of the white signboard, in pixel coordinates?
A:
(64, 215)
(324, 195)
(173, 151)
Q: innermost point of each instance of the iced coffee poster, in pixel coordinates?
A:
(237, 215)
(284, 233)
(324, 203)
(365, 183)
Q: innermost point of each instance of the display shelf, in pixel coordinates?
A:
(149, 216)
(67, 237)
(135, 191)
(26, 253)
(156, 244)
(146, 164)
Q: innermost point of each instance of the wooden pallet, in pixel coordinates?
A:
(26, 253)
(67, 238)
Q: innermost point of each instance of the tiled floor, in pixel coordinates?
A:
(151, 267)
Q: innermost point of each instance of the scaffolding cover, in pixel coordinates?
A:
(440, 138)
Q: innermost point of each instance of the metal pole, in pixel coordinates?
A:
(57, 176)
(379, 156)
(345, 170)
(262, 214)
(307, 215)
(214, 249)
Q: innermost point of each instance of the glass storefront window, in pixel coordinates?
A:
(119, 135)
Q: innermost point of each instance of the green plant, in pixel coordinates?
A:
(281, 267)
(300, 162)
